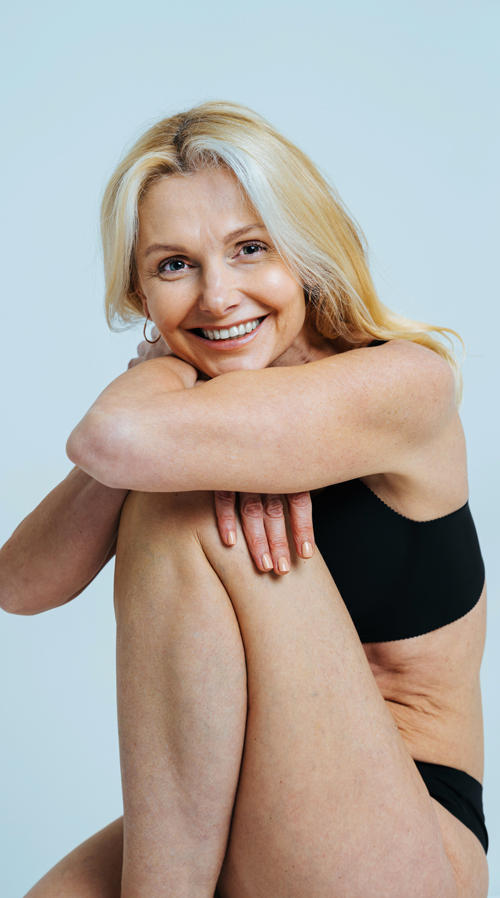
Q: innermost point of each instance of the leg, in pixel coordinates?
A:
(182, 711)
(329, 801)
(181, 699)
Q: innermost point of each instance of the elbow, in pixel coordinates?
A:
(80, 445)
(15, 608)
(11, 595)
(8, 602)
(96, 445)
(25, 607)
(13, 603)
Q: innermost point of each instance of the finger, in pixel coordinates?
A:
(252, 520)
(226, 517)
(274, 522)
(300, 513)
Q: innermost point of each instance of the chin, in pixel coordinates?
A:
(237, 365)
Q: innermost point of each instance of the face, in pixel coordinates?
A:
(210, 277)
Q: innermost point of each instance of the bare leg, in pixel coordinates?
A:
(329, 801)
(182, 712)
(181, 700)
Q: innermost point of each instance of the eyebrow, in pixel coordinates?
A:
(174, 248)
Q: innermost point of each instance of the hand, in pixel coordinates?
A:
(146, 351)
(263, 522)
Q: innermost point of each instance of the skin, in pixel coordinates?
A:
(257, 798)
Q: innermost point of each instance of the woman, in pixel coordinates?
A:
(316, 729)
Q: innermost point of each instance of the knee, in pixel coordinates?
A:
(155, 516)
(158, 545)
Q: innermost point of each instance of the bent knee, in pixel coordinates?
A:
(152, 514)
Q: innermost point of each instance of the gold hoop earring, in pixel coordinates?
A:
(144, 332)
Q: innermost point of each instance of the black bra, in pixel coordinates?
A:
(398, 578)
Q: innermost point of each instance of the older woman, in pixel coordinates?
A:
(291, 722)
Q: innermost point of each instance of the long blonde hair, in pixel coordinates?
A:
(302, 213)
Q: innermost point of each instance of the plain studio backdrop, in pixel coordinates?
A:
(398, 103)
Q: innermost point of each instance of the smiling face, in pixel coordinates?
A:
(211, 279)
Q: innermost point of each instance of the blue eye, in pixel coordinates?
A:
(251, 248)
(171, 265)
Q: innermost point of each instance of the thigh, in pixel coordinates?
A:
(329, 801)
(465, 853)
(181, 686)
(93, 870)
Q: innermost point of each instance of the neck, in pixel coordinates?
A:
(308, 346)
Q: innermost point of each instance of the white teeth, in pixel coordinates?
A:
(235, 331)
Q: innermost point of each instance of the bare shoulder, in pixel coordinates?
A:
(414, 358)
(399, 384)
(413, 394)
(405, 362)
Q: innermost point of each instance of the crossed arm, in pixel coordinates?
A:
(257, 432)
(280, 430)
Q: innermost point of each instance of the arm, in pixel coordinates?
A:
(61, 546)
(273, 430)
(64, 543)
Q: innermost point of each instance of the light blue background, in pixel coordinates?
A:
(398, 102)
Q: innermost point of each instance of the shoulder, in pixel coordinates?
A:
(398, 359)
(397, 384)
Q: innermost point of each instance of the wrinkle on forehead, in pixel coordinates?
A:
(203, 206)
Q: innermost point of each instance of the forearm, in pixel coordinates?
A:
(61, 546)
(147, 434)
(125, 417)
(271, 430)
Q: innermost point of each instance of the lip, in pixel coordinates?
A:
(229, 344)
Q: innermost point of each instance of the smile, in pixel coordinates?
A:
(238, 330)
(230, 336)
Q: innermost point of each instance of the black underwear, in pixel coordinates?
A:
(459, 793)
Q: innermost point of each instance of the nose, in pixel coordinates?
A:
(218, 291)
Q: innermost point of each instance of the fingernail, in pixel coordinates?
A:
(231, 538)
(266, 562)
(307, 550)
(283, 565)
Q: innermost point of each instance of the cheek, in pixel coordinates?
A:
(287, 293)
(293, 304)
(167, 311)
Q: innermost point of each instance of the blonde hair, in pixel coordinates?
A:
(302, 213)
